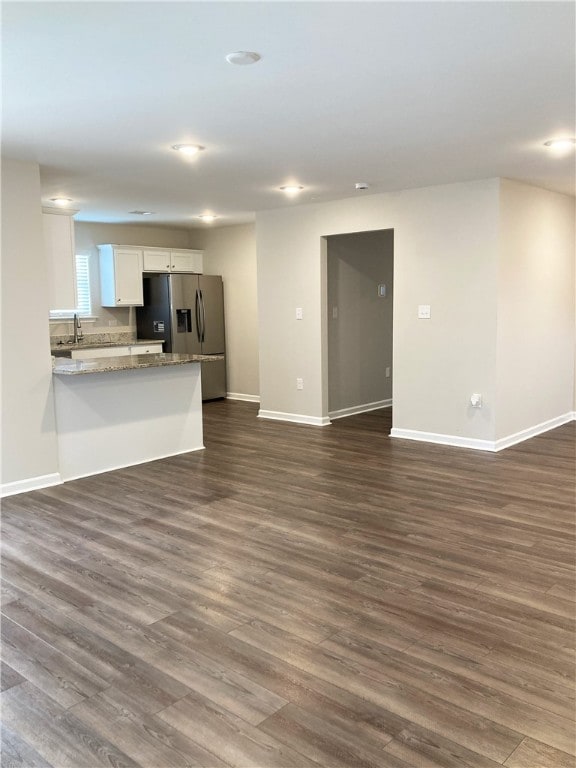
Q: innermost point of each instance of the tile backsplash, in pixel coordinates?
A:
(64, 331)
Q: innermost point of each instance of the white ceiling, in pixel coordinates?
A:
(396, 94)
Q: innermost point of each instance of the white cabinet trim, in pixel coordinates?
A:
(58, 228)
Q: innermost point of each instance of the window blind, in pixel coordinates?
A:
(84, 305)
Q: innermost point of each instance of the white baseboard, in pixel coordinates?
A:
(538, 429)
(46, 481)
(340, 414)
(433, 437)
(134, 463)
(239, 396)
(30, 484)
(484, 445)
(297, 418)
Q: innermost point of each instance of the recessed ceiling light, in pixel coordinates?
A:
(61, 200)
(207, 217)
(291, 189)
(142, 213)
(560, 143)
(188, 149)
(243, 58)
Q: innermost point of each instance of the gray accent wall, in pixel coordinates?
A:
(359, 320)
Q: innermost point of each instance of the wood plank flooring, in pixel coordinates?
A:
(295, 597)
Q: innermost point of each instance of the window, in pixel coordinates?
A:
(83, 284)
(84, 306)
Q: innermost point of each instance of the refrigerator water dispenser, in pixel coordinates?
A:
(183, 321)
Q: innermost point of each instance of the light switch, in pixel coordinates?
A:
(424, 312)
(299, 313)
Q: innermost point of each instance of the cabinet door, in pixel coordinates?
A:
(88, 354)
(146, 349)
(156, 260)
(186, 261)
(128, 277)
(61, 259)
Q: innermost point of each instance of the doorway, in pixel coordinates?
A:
(359, 309)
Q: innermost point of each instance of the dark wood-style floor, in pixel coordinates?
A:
(296, 596)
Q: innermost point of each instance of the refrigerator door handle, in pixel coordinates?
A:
(199, 332)
(203, 315)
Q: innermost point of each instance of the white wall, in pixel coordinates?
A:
(445, 255)
(290, 275)
(535, 307)
(29, 448)
(359, 320)
(231, 252)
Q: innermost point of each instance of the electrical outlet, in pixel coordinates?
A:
(424, 312)
(299, 383)
(387, 371)
(334, 313)
(299, 313)
(476, 400)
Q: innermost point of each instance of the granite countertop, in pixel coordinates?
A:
(102, 344)
(66, 367)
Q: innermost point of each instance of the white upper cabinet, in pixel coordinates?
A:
(186, 261)
(121, 276)
(173, 260)
(121, 268)
(60, 257)
(156, 260)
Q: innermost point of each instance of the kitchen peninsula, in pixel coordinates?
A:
(113, 412)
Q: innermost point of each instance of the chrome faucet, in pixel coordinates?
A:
(78, 335)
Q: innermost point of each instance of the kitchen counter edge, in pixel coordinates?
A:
(68, 367)
(103, 344)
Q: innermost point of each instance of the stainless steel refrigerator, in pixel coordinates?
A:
(187, 311)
